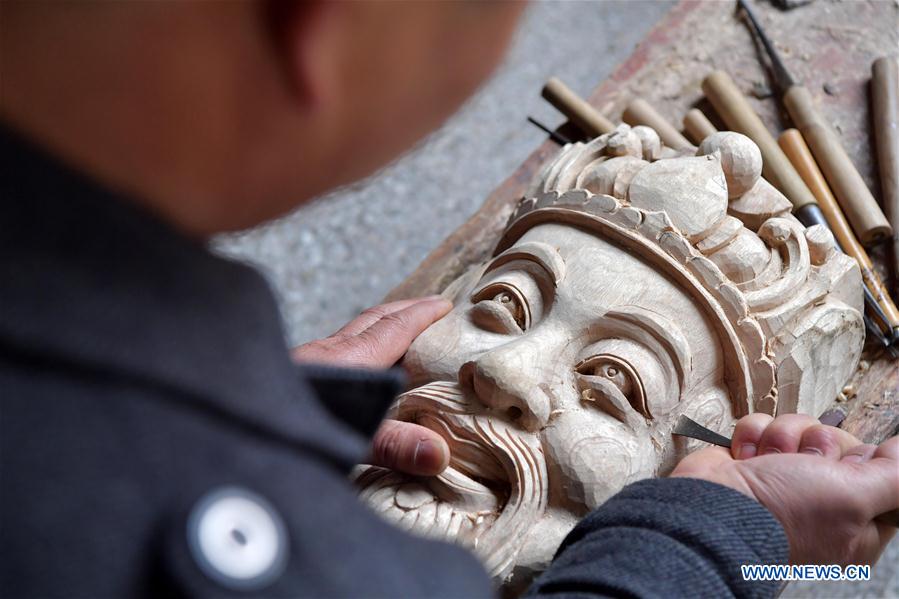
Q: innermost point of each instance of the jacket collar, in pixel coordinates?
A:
(90, 279)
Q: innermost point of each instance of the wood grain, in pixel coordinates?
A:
(828, 46)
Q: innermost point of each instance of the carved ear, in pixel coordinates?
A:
(815, 355)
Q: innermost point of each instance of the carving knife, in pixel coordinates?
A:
(687, 427)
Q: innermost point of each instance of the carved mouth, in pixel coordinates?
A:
(490, 495)
(473, 463)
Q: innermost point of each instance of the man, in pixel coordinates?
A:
(158, 440)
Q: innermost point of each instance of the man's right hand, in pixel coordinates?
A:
(824, 486)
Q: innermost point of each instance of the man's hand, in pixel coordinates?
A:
(378, 338)
(822, 484)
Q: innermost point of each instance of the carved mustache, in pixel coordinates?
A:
(491, 462)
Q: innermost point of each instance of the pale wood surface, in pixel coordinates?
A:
(828, 46)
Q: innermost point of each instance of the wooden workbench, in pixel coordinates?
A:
(829, 46)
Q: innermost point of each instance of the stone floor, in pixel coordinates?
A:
(344, 252)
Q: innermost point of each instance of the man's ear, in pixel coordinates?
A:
(308, 37)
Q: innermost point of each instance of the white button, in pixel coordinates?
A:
(237, 538)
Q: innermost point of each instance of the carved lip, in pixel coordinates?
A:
(497, 477)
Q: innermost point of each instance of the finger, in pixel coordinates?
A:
(878, 477)
(714, 464)
(886, 459)
(826, 441)
(859, 453)
(889, 449)
(745, 441)
(384, 343)
(701, 462)
(372, 315)
(409, 448)
(784, 433)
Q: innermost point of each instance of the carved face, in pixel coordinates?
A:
(556, 380)
(567, 359)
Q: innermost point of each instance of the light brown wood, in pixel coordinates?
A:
(861, 209)
(621, 295)
(693, 39)
(799, 154)
(576, 109)
(697, 126)
(735, 111)
(640, 112)
(885, 108)
(872, 411)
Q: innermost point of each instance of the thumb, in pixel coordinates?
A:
(409, 448)
(702, 461)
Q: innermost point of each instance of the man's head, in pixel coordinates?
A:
(621, 296)
(221, 115)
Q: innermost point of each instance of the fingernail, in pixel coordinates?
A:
(428, 456)
(853, 457)
(747, 450)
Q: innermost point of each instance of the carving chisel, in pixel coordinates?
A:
(877, 298)
(860, 207)
(553, 135)
(736, 112)
(697, 126)
(885, 108)
(640, 112)
(578, 111)
(687, 427)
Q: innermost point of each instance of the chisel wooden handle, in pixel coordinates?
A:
(799, 154)
(587, 118)
(697, 126)
(865, 216)
(735, 111)
(640, 112)
(885, 108)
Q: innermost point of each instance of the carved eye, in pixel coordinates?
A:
(501, 308)
(613, 384)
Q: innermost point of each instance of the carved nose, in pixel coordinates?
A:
(507, 385)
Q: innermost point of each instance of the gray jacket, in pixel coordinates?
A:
(158, 441)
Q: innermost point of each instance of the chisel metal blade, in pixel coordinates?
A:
(687, 427)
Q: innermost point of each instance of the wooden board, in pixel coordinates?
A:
(829, 46)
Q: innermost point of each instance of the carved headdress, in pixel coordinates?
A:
(786, 305)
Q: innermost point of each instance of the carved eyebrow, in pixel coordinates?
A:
(663, 331)
(542, 254)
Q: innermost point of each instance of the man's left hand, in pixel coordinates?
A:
(378, 338)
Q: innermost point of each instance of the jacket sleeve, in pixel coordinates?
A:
(664, 538)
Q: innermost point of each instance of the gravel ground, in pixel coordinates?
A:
(343, 252)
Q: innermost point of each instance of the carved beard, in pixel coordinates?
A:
(488, 499)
